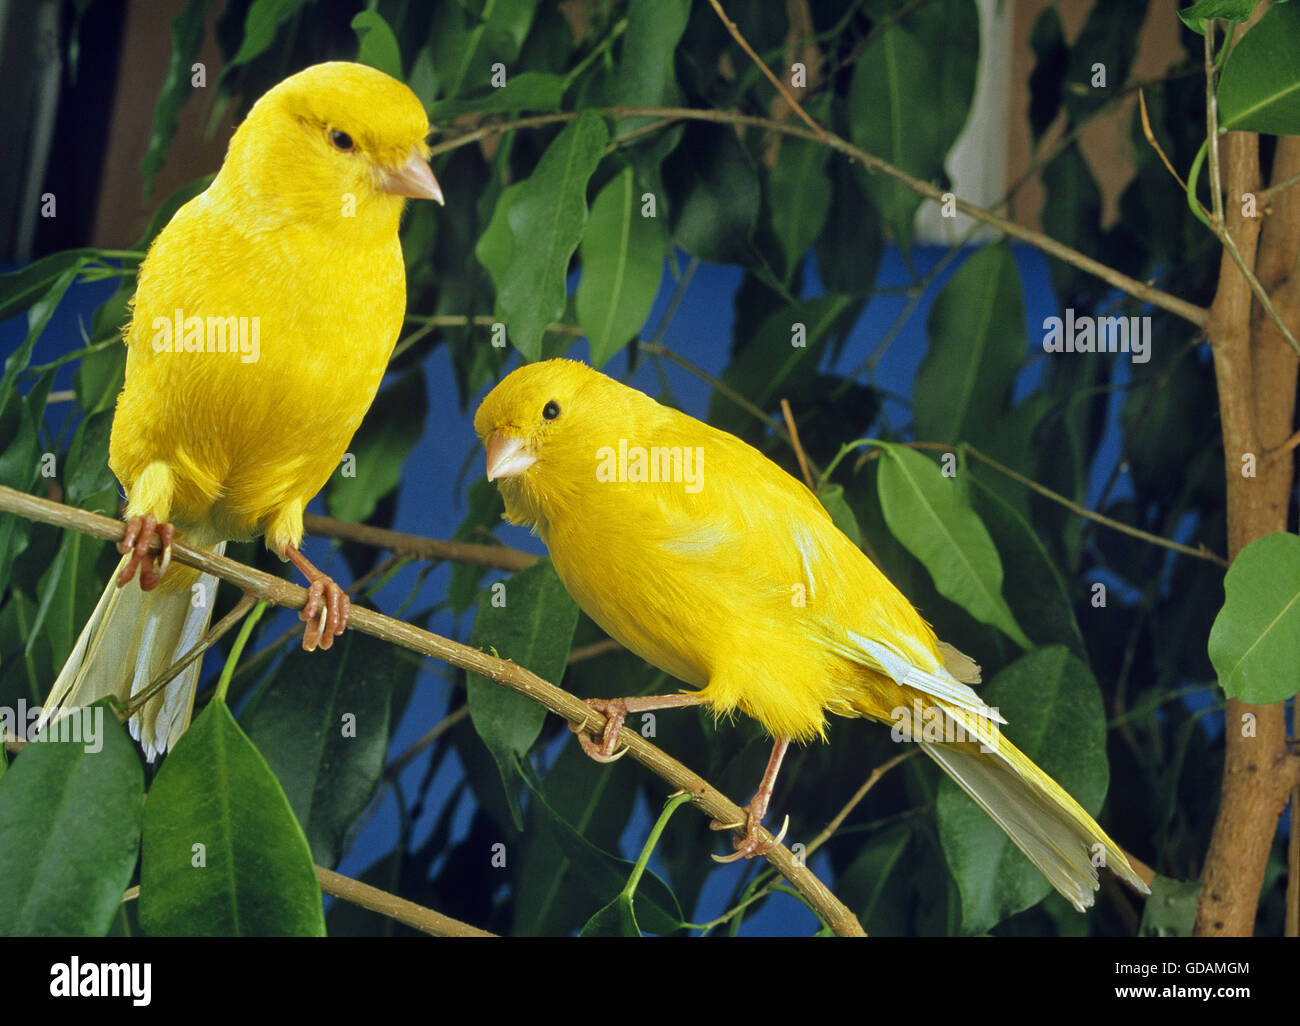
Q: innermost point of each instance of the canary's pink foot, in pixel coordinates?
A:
(327, 608)
(140, 533)
(615, 710)
(752, 842)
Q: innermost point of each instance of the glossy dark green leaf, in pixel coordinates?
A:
(977, 344)
(1170, 909)
(852, 241)
(1051, 58)
(1055, 716)
(1259, 90)
(376, 44)
(38, 316)
(1071, 214)
(832, 497)
(261, 25)
(485, 511)
(530, 91)
(23, 288)
(223, 854)
(1102, 55)
(927, 513)
(70, 814)
(1255, 642)
(379, 449)
(713, 195)
(187, 37)
(622, 265)
(909, 97)
(781, 359)
(545, 216)
(1032, 584)
(324, 732)
(529, 620)
(1197, 15)
(646, 74)
(798, 198)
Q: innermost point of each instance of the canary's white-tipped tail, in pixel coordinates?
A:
(1043, 821)
(129, 640)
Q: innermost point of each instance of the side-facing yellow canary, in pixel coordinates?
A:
(262, 323)
(687, 546)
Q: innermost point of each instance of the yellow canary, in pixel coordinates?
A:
(685, 544)
(262, 323)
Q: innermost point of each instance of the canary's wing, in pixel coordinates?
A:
(779, 530)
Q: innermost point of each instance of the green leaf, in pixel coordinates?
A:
(977, 344)
(832, 497)
(1198, 15)
(527, 91)
(1259, 90)
(603, 874)
(379, 449)
(908, 100)
(70, 813)
(486, 508)
(324, 732)
(1051, 59)
(926, 512)
(545, 215)
(713, 195)
(1057, 719)
(877, 882)
(1255, 641)
(261, 24)
(622, 264)
(781, 359)
(852, 242)
(376, 44)
(187, 37)
(88, 473)
(1033, 585)
(1109, 39)
(21, 289)
(1072, 214)
(1170, 909)
(38, 316)
(532, 626)
(798, 197)
(646, 76)
(223, 854)
(617, 919)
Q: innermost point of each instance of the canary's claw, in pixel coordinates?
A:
(140, 533)
(615, 711)
(326, 613)
(752, 843)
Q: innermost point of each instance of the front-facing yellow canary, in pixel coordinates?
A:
(262, 323)
(685, 544)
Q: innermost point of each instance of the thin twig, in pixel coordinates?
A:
(500, 557)
(794, 441)
(704, 796)
(758, 61)
(853, 802)
(406, 912)
(436, 731)
(1139, 290)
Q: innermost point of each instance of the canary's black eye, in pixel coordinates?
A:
(551, 410)
(341, 140)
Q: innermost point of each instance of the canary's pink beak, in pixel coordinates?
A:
(414, 178)
(506, 457)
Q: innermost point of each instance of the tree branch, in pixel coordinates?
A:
(704, 796)
(407, 912)
(499, 557)
(1137, 289)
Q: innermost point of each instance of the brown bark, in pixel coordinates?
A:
(1256, 375)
